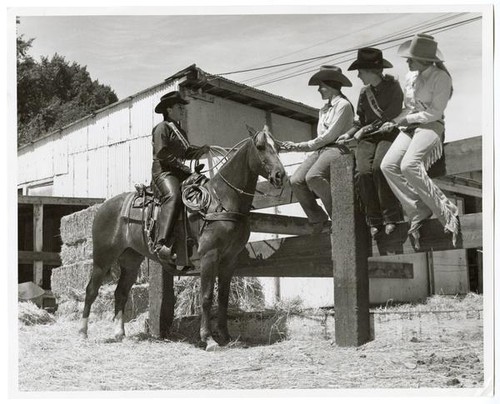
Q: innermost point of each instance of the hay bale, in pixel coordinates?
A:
(80, 251)
(78, 226)
(30, 314)
(246, 294)
(70, 279)
(103, 307)
(137, 302)
(263, 327)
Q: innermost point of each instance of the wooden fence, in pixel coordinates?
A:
(344, 253)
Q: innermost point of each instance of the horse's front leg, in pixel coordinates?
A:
(225, 275)
(208, 268)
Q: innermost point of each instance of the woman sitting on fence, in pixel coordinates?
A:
(312, 178)
(379, 101)
(420, 141)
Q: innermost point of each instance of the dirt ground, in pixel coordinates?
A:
(412, 349)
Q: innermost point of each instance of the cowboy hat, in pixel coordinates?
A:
(168, 100)
(421, 47)
(369, 58)
(329, 73)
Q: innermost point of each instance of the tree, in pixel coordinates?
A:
(53, 93)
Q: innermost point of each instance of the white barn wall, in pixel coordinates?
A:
(98, 172)
(93, 157)
(221, 122)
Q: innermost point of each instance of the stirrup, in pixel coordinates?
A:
(374, 231)
(165, 255)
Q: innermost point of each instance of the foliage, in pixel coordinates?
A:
(53, 93)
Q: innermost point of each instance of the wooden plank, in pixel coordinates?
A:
(268, 196)
(161, 301)
(279, 224)
(432, 238)
(38, 243)
(464, 155)
(54, 200)
(350, 246)
(458, 188)
(309, 255)
(48, 258)
(390, 270)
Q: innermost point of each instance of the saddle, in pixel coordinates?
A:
(144, 207)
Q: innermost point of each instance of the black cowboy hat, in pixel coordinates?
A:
(369, 58)
(168, 100)
(329, 73)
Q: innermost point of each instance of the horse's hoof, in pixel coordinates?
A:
(82, 335)
(119, 337)
(212, 346)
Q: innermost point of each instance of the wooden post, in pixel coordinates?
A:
(350, 249)
(161, 301)
(38, 242)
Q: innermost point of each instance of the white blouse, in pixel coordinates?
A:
(335, 118)
(426, 95)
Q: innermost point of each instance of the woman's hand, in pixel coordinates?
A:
(387, 127)
(287, 145)
(343, 138)
(200, 151)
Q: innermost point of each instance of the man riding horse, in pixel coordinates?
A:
(170, 150)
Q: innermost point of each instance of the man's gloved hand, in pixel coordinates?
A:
(199, 151)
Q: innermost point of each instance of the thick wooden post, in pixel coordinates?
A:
(38, 242)
(161, 301)
(350, 248)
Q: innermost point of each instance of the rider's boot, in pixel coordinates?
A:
(164, 254)
(163, 248)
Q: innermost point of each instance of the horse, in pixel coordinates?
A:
(220, 241)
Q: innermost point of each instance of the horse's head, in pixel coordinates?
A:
(267, 162)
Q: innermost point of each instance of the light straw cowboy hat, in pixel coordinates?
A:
(369, 58)
(168, 100)
(421, 47)
(327, 74)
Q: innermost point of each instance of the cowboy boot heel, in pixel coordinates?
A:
(389, 228)
(415, 234)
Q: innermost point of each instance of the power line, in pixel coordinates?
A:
(441, 29)
(309, 70)
(417, 27)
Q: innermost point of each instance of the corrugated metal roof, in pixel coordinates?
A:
(194, 77)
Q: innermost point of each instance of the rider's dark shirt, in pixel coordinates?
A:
(170, 149)
(389, 98)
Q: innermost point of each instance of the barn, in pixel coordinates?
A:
(109, 151)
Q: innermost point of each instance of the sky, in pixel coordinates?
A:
(133, 52)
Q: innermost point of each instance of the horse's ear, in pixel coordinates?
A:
(251, 131)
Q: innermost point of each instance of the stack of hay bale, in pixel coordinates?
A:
(68, 282)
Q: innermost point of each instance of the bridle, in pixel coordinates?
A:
(263, 164)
